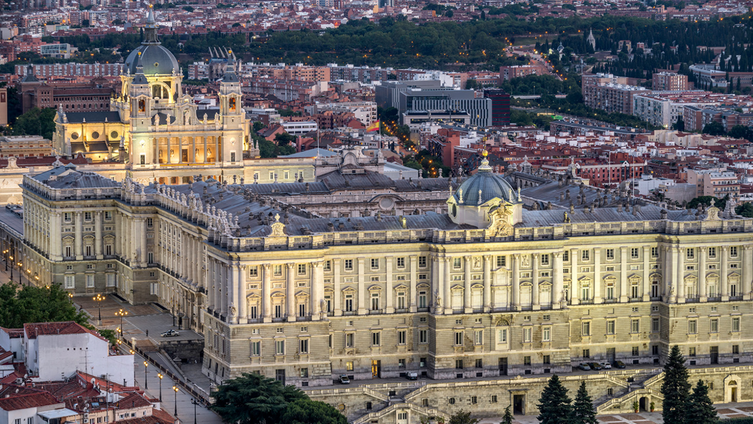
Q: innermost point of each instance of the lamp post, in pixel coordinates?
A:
(159, 374)
(175, 389)
(194, 402)
(146, 382)
(11, 268)
(99, 298)
(121, 313)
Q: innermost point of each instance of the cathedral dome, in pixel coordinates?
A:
(155, 59)
(484, 186)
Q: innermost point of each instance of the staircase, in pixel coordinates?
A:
(645, 385)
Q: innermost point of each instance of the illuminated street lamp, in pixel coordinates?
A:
(146, 382)
(159, 374)
(121, 313)
(99, 298)
(175, 389)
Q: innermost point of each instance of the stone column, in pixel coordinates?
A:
(680, 274)
(437, 289)
(623, 275)
(671, 288)
(336, 284)
(597, 276)
(217, 149)
(535, 297)
(702, 287)
(142, 229)
(487, 283)
(169, 159)
(242, 295)
(233, 294)
(467, 307)
(747, 265)
(388, 285)
(266, 292)
(78, 243)
(515, 301)
(56, 241)
(362, 309)
(205, 149)
(558, 281)
(574, 299)
(317, 290)
(724, 251)
(193, 149)
(447, 286)
(413, 294)
(290, 291)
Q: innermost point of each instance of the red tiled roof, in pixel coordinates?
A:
(133, 400)
(34, 330)
(25, 401)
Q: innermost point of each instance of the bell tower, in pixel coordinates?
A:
(235, 136)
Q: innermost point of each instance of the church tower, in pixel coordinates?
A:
(591, 40)
(233, 116)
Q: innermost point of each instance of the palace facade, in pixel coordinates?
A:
(487, 289)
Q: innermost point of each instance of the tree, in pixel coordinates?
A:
(507, 418)
(713, 128)
(583, 407)
(462, 417)
(254, 399)
(700, 409)
(188, 9)
(739, 131)
(679, 125)
(19, 306)
(706, 201)
(746, 210)
(675, 388)
(306, 411)
(554, 404)
(36, 122)
(258, 126)
(283, 139)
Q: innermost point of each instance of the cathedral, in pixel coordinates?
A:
(155, 130)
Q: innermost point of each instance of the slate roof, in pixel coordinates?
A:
(78, 117)
(68, 177)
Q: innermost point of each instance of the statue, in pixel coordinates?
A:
(156, 120)
(566, 219)
(500, 222)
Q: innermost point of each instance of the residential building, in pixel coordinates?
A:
(609, 93)
(669, 81)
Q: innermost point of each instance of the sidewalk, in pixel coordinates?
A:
(726, 411)
(184, 407)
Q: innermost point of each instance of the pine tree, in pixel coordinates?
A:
(583, 407)
(675, 388)
(507, 418)
(700, 409)
(554, 404)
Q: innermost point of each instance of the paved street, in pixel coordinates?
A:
(726, 411)
(139, 320)
(185, 408)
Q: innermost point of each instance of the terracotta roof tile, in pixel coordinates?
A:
(30, 400)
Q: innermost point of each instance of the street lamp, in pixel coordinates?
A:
(121, 313)
(175, 389)
(146, 382)
(194, 402)
(99, 298)
(159, 374)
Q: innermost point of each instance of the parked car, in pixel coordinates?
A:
(170, 333)
(411, 375)
(618, 364)
(584, 367)
(595, 366)
(343, 379)
(606, 366)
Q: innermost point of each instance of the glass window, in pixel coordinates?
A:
(635, 325)
(692, 326)
(546, 334)
(587, 328)
(610, 327)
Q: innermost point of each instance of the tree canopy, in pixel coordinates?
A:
(675, 388)
(306, 411)
(746, 210)
(554, 404)
(27, 304)
(700, 409)
(583, 407)
(36, 122)
(255, 399)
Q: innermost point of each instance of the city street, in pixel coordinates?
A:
(185, 408)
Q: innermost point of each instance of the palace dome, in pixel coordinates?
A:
(485, 185)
